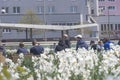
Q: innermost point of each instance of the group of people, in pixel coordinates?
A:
(104, 44)
(36, 48)
(63, 43)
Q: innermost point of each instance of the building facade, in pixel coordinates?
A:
(53, 12)
(109, 18)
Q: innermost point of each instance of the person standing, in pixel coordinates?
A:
(22, 49)
(36, 49)
(80, 42)
(67, 40)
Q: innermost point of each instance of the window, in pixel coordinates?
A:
(101, 0)
(111, 7)
(73, 0)
(16, 9)
(40, 9)
(50, 0)
(105, 27)
(111, 0)
(16, 0)
(116, 26)
(108, 27)
(92, 11)
(102, 27)
(39, 0)
(6, 30)
(5, 10)
(51, 9)
(5, 0)
(102, 7)
(74, 9)
(111, 27)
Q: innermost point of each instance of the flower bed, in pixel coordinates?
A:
(65, 65)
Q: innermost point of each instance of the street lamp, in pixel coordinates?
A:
(3, 11)
(44, 19)
(108, 25)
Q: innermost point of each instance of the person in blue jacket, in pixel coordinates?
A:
(80, 42)
(22, 49)
(107, 44)
(36, 49)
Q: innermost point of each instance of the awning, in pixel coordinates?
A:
(47, 27)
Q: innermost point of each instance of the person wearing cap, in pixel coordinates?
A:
(66, 40)
(80, 42)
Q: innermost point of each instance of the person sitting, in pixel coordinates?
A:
(2, 49)
(119, 42)
(100, 45)
(22, 49)
(107, 44)
(61, 46)
(36, 49)
(80, 42)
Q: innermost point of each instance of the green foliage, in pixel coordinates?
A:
(56, 61)
(27, 62)
(1, 77)
(6, 73)
(53, 74)
(76, 77)
(95, 74)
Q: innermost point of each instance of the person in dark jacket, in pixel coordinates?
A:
(80, 42)
(2, 49)
(67, 40)
(36, 49)
(119, 42)
(93, 45)
(61, 46)
(22, 49)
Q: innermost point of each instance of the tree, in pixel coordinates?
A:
(31, 18)
(85, 31)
